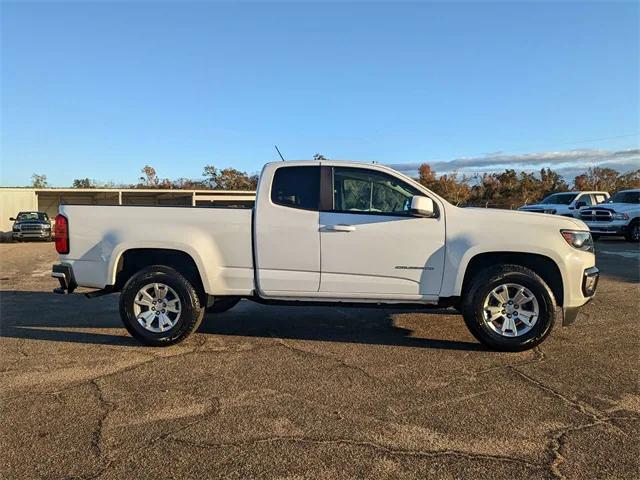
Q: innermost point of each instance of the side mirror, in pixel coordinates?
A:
(581, 204)
(12, 219)
(422, 206)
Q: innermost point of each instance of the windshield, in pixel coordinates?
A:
(32, 216)
(560, 198)
(625, 197)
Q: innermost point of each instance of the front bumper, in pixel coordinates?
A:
(590, 279)
(616, 227)
(64, 273)
(32, 234)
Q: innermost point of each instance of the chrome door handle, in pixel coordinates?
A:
(340, 228)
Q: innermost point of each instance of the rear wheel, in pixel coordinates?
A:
(633, 232)
(509, 307)
(159, 306)
(222, 304)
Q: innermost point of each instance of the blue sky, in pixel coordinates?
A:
(101, 89)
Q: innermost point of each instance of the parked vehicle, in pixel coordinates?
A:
(331, 233)
(567, 204)
(31, 225)
(619, 216)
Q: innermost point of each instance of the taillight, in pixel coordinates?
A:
(61, 232)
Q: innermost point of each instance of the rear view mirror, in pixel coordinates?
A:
(422, 206)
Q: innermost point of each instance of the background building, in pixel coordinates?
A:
(14, 200)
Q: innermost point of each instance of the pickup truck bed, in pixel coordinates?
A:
(217, 239)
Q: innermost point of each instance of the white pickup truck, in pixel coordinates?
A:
(567, 204)
(324, 232)
(618, 216)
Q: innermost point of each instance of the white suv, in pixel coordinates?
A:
(567, 204)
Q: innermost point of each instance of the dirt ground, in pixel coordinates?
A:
(322, 393)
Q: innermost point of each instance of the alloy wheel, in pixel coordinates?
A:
(510, 310)
(157, 307)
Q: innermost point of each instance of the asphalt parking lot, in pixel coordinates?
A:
(284, 392)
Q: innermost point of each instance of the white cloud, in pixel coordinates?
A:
(568, 163)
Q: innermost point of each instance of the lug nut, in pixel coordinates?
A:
(515, 313)
(509, 315)
(163, 310)
(153, 308)
(504, 311)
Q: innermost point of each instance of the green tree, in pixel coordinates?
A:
(229, 179)
(551, 182)
(39, 181)
(84, 183)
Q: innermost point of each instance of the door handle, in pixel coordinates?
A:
(340, 228)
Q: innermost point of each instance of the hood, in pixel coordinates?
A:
(31, 222)
(543, 206)
(514, 217)
(616, 207)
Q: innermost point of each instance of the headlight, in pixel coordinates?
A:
(47, 227)
(620, 216)
(552, 211)
(578, 239)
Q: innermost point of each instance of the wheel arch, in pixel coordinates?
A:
(544, 266)
(133, 260)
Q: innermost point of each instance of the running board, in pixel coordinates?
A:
(100, 293)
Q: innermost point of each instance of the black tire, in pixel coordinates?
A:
(223, 304)
(633, 232)
(480, 288)
(191, 311)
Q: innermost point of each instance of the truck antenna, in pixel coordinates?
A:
(277, 150)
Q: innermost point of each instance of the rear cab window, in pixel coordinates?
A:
(296, 187)
(599, 198)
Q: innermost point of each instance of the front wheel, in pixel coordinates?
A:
(509, 308)
(633, 232)
(159, 306)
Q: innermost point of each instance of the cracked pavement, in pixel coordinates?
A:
(296, 392)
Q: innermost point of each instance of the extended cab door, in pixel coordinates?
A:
(371, 245)
(286, 237)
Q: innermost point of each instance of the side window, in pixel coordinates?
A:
(587, 200)
(296, 187)
(362, 190)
